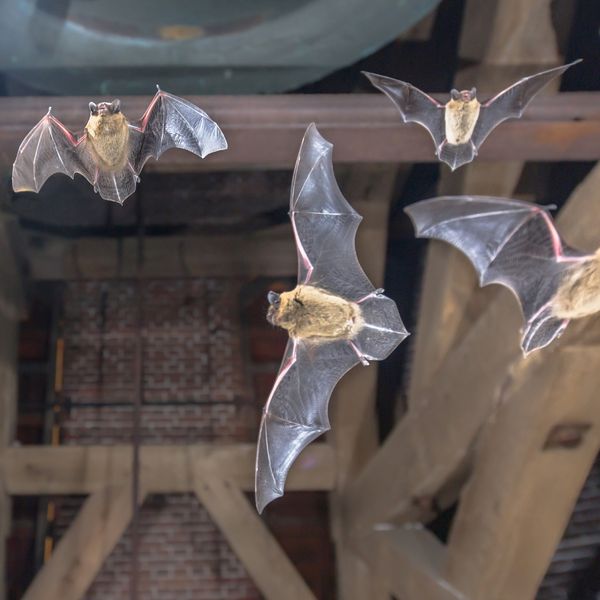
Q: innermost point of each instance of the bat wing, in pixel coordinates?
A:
(47, 149)
(172, 122)
(414, 105)
(324, 224)
(510, 242)
(512, 102)
(296, 412)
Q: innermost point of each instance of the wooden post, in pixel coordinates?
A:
(11, 308)
(352, 410)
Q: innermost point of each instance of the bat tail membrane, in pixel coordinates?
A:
(383, 329)
(456, 155)
(115, 186)
(541, 330)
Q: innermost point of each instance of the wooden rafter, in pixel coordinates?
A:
(532, 462)
(32, 470)
(268, 565)
(83, 549)
(365, 128)
(430, 444)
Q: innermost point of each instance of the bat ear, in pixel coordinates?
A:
(454, 94)
(273, 298)
(473, 92)
(93, 108)
(116, 106)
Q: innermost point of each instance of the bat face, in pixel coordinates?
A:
(579, 293)
(308, 312)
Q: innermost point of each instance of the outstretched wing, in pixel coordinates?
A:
(172, 122)
(296, 412)
(414, 105)
(511, 103)
(47, 149)
(510, 242)
(324, 223)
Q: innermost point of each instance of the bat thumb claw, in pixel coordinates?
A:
(157, 88)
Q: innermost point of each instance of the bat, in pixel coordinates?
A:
(460, 126)
(111, 152)
(335, 318)
(516, 244)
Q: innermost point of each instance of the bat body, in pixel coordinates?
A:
(335, 318)
(516, 244)
(460, 126)
(111, 152)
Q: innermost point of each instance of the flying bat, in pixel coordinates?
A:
(460, 126)
(111, 152)
(335, 318)
(516, 244)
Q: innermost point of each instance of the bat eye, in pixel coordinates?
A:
(93, 108)
(274, 299)
(116, 106)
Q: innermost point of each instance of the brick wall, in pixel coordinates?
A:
(192, 353)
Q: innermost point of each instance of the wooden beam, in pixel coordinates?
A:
(532, 462)
(409, 561)
(353, 434)
(431, 443)
(11, 308)
(32, 470)
(266, 130)
(262, 556)
(509, 39)
(83, 549)
(270, 253)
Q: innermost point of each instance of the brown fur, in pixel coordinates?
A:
(460, 118)
(108, 137)
(310, 312)
(579, 293)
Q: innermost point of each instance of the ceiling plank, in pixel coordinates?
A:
(266, 130)
(268, 565)
(429, 444)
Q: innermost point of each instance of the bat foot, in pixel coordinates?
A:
(363, 359)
